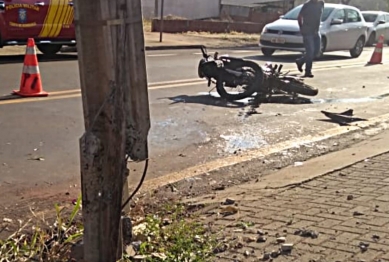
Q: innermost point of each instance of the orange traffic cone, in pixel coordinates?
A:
(376, 58)
(31, 83)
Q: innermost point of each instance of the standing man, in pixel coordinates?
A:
(309, 21)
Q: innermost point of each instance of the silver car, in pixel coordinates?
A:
(378, 24)
(342, 28)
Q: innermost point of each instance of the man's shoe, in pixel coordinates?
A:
(308, 75)
(299, 66)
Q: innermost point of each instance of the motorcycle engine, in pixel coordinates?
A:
(246, 77)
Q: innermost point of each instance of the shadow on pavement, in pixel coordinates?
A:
(284, 99)
(9, 97)
(254, 102)
(292, 57)
(333, 122)
(13, 59)
(208, 100)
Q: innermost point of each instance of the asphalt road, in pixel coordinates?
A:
(39, 137)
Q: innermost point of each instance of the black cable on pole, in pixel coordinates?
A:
(139, 185)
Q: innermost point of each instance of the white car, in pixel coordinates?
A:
(342, 28)
(378, 24)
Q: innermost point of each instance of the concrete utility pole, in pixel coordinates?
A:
(161, 20)
(112, 66)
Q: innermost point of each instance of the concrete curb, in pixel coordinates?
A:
(175, 47)
(148, 48)
(171, 47)
(183, 47)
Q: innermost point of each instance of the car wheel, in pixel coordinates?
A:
(371, 40)
(267, 51)
(358, 48)
(48, 49)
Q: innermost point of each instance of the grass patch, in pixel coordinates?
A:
(170, 234)
(174, 234)
(49, 243)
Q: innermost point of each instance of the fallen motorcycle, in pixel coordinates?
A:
(231, 72)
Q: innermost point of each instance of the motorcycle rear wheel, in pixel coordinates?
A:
(249, 90)
(300, 88)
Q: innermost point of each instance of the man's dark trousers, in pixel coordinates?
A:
(312, 44)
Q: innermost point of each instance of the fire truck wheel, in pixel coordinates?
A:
(48, 49)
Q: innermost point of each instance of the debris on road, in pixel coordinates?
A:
(307, 233)
(358, 213)
(363, 246)
(296, 164)
(343, 118)
(220, 188)
(172, 188)
(261, 239)
(275, 253)
(266, 256)
(7, 220)
(286, 247)
(229, 201)
(230, 210)
(376, 237)
(260, 232)
(249, 239)
(281, 240)
(37, 159)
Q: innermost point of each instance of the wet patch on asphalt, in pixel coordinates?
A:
(167, 132)
(241, 142)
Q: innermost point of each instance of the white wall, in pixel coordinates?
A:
(190, 9)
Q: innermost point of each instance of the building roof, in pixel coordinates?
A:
(248, 2)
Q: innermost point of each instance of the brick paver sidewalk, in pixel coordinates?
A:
(342, 216)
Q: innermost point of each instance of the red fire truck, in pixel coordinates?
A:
(49, 22)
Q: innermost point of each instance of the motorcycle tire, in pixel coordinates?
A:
(251, 89)
(300, 88)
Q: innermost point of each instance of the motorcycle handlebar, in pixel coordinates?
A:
(204, 51)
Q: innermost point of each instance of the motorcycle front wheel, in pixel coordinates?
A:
(248, 89)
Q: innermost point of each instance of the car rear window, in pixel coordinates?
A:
(370, 18)
(294, 13)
